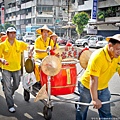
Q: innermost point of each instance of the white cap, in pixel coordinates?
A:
(3, 33)
(11, 29)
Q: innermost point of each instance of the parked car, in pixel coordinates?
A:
(29, 37)
(19, 37)
(61, 41)
(102, 43)
(83, 41)
(71, 41)
(94, 39)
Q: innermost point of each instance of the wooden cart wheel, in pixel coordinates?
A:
(26, 95)
(47, 112)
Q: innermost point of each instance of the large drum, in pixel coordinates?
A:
(64, 82)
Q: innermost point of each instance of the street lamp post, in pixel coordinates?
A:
(19, 6)
(68, 30)
(53, 18)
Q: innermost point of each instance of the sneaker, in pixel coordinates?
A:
(12, 109)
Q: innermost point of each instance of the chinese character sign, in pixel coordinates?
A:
(94, 10)
(2, 15)
(68, 52)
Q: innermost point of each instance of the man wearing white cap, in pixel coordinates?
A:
(93, 85)
(10, 57)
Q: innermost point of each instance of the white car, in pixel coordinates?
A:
(83, 41)
(29, 37)
(95, 39)
(100, 44)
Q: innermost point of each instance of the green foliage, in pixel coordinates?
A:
(109, 12)
(1, 28)
(6, 25)
(101, 15)
(80, 20)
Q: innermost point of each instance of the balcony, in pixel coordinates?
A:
(107, 3)
(10, 10)
(27, 5)
(86, 6)
(112, 19)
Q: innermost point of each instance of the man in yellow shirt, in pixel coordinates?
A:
(54, 38)
(10, 57)
(40, 48)
(2, 34)
(93, 85)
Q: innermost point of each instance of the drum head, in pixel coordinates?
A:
(51, 65)
(29, 65)
(84, 58)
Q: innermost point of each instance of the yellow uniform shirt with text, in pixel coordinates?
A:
(42, 45)
(12, 53)
(100, 65)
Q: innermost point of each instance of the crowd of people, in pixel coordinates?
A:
(92, 86)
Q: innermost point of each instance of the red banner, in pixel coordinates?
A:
(2, 15)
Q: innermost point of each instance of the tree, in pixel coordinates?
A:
(1, 28)
(6, 25)
(80, 20)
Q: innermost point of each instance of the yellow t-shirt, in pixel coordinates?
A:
(57, 46)
(12, 53)
(100, 65)
(0, 62)
(40, 44)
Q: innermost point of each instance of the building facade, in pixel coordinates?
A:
(108, 15)
(28, 15)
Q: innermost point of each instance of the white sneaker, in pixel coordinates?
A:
(12, 109)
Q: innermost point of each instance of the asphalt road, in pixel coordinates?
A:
(61, 111)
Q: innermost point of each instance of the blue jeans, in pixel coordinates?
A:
(10, 85)
(103, 95)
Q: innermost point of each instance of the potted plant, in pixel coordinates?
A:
(101, 15)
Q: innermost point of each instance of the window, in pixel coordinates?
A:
(44, 20)
(93, 38)
(101, 38)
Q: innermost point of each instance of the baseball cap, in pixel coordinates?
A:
(3, 33)
(11, 29)
(116, 37)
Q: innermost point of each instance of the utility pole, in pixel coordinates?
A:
(18, 4)
(68, 29)
(54, 16)
(68, 3)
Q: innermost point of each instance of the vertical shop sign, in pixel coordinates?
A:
(94, 10)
